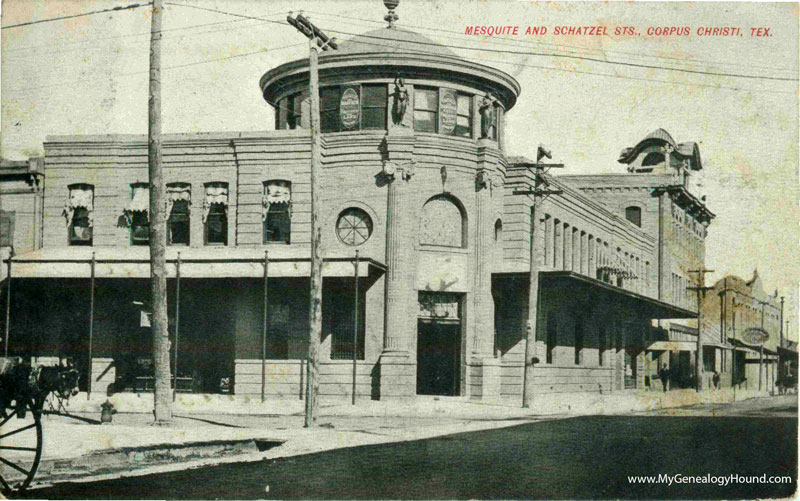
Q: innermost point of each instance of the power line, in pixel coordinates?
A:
(113, 9)
(195, 63)
(593, 59)
(145, 41)
(148, 34)
(439, 30)
(624, 77)
(227, 13)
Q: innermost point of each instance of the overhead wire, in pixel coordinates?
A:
(463, 36)
(83, 14)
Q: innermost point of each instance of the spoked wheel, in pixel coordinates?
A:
(20, 446)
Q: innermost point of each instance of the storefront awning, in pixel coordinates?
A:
(641, 306)
(134, 262)
(673, 346)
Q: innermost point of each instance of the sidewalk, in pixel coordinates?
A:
(215, 429)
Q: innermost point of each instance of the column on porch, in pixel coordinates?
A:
(397, 368)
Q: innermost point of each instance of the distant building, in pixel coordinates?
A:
(737, 314)
(21, 184)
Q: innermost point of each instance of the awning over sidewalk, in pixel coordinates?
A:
(134, 262)
(673, 346)
(643, 306)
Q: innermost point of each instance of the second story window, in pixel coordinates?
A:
(277, 211)
(426, 110)
(138, 214)
(6, 228)
(634, 215)
(353, 107)
(78, 211)
(215, 214)
(179, 198)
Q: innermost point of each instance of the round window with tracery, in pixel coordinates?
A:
(354, 226)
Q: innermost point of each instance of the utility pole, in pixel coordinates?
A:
(316, 38)
(701, 292)
(158, 228)
(761, 351)
(540, 189)
(733, 367)
(782, 322)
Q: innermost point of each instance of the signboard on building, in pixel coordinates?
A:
(349, 108)
(755, 335)
(448, 111)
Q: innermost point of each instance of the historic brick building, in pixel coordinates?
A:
(415, 178)
(742, 330)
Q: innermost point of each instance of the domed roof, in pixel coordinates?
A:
(391, 40)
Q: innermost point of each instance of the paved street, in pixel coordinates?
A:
(582, 457)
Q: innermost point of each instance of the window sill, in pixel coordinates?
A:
(442, 249)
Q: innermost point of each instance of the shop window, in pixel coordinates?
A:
(215, 214)
(338, 315)
(443, 223)
(179, 199)
(601, 344)
(6, 228)
(354, 226)
(552, 336)
(78, 211)
(634, 215)
(277, 216)
(426, 110)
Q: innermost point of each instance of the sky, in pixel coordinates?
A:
(585, 97)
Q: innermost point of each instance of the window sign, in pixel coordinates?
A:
(349, 109)
(447, 111)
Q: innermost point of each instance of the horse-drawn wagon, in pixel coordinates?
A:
(23, 391)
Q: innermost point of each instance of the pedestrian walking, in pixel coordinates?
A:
(715, 380)
(664, 375)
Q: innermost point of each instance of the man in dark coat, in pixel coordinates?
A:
(664, 375)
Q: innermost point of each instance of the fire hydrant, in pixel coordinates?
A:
(108, 410)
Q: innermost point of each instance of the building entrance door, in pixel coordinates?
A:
(438, 357)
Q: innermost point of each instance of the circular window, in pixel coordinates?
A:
(354, 226)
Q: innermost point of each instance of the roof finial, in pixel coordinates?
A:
(391, 17)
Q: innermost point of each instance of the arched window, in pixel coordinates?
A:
(443, 223)
(277, 211)
(498, 231)
(653, 158)
(634, 215)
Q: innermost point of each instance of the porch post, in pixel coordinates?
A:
(355, 331)
(8, 301)
(177, 325)
(264, 330)
(91, 329)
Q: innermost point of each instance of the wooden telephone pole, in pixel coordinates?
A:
(701, 292)
(158, 228)
(539, 191)
(316, 39)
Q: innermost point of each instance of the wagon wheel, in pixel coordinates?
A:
(20, 445)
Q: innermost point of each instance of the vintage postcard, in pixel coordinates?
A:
(399, 249)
